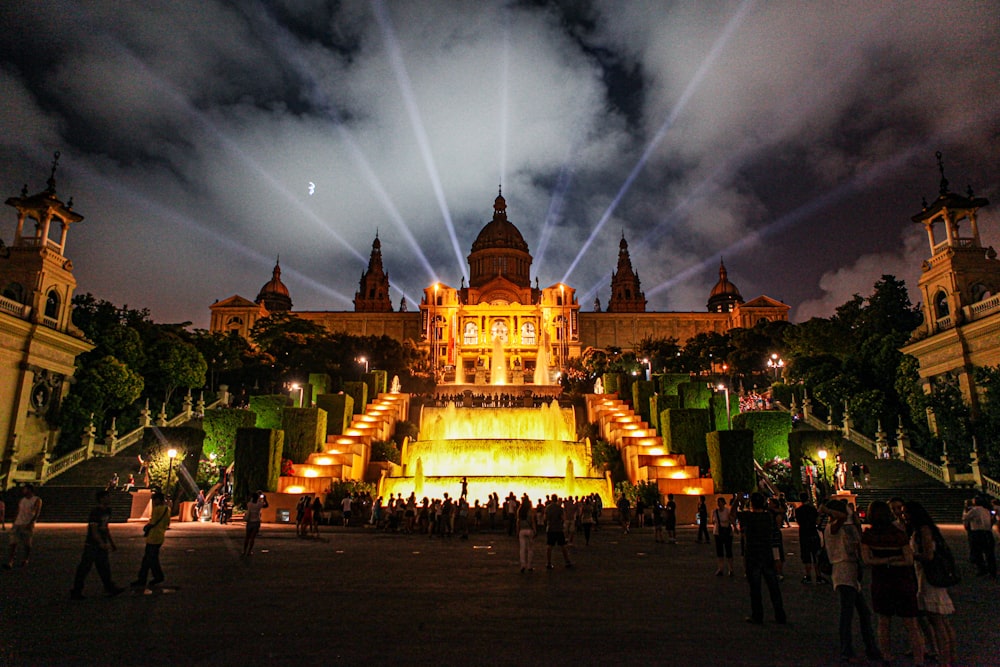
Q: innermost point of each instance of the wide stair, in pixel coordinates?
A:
(893, 478)
(69, 497)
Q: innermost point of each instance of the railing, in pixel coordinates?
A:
(983, 308)
(923, 465)
(14, 307)
(991, 486)
(862, 441)
(943, 323)
(66, 462)
(50, 322)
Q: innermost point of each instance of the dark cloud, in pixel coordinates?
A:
(793, 140)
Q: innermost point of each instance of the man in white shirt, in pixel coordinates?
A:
(28, 509)
(258, 501)
(979, 522)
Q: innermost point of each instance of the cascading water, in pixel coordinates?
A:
(498, 364)
(542, 362)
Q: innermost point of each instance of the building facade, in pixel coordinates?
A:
(38, 342)
(502, 326)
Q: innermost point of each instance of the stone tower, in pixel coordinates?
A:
(626, 295)
(373, 290)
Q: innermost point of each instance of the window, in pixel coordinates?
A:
(14, 292)
(52, 305)
(941, 305)
(471, 334)
(528, 334)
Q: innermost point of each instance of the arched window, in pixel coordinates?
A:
(15, 292)
(52, 305)
(471, 334)
(941, 305)
(980, 292)
(528, 334)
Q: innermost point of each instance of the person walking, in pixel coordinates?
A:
(554, 534)
(722, 530)
(256, 505)
(979, 522)
(526, 527)
(806, 517)
(843, 545)
(886, 550)
(933, 601)
(624, 511)
(96, 547)
(587, 518)
(23, 528)
(757, 526)
(155, 531)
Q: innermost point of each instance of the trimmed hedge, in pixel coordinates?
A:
(694, 395)
(720, 420)
(684, 432)
(359, 392)
(670, 381)
(654, 412)
(320, 383)
(642, 391)
(257, 461)
(220, 431)
(268, 409)
(730, 456)
(806, 445)
(770, 432)
(610, 383)
(305, 432)
(378, 383)
(157, 440)
(339, 408)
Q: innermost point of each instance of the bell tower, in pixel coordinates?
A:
(959, 272)
(39, 344)
(373, 289)
(626, 296)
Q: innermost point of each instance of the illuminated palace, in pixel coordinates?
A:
(499, 329)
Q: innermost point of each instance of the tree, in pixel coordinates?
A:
(173, 363)
(987, 426)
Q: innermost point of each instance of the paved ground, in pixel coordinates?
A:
(354, 597)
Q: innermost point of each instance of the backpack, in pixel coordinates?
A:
(941, 571)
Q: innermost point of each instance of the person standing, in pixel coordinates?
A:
(554, 534)
(979, 522)
(722, 530)
(465, 488)
(886, 550)
(155, 531)
(843, 544)
(526, 526)
(587, 518)
(256, 505)
(492, 506)
(933, 601)
(624, 510)
(757, 526)
(345, 509)
(702, 515)
(96, 547)
(670, 519)
(28, 509)
(806, 516)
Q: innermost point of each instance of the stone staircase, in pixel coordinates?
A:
(891, 478)
(72, 504)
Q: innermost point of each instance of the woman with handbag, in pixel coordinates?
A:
(933, 601)
(843, 544)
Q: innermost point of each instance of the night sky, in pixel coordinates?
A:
(794, 140)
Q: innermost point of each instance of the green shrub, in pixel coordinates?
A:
(320, 383)
(804, 446)
(684, 433)
(670, 381)
(730, 455)
(385, 451)
(220, 431)
(770, 432)
(359, 392)
(378, 383)
(649, 491)
(157, 441)
(305, 432)
(606, 456)
(642, 391)
(268, 409)
(720, 419)
(339, 408)
(257, 461)
(627, 489)
(611, 383)
(405, 430)
(694, 395)
(339, 489)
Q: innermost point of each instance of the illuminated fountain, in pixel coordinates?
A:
(498, 364)
(542, 362)
(524, 450)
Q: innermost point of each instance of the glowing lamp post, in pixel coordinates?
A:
(822, 458)
(302, 392)
(729, 416)
(777, 363)
(364, 360)
(648, 370)
(171, 454)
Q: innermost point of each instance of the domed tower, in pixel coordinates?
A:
(725, 296)
(626, 296)
(373, 291)
(499, 251)
(274, 295)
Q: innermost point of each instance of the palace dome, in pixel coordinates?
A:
(499, 232)
(725, 295)
(274, 295)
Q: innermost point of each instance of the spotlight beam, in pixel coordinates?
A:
(678, 108)
(409, 99)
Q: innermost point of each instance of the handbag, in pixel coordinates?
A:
(941, 570)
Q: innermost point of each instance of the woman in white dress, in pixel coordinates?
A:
(932, 600)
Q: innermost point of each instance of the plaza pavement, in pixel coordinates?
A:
(355, 597)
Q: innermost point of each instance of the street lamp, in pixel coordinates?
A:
(822, 458)
(363, 360)
(729, 416)
(776, 363)
(648, 370)
(171, 454)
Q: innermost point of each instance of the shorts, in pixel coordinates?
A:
(22, 535)
(809, 546)
(724, 543)
(554, 538)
